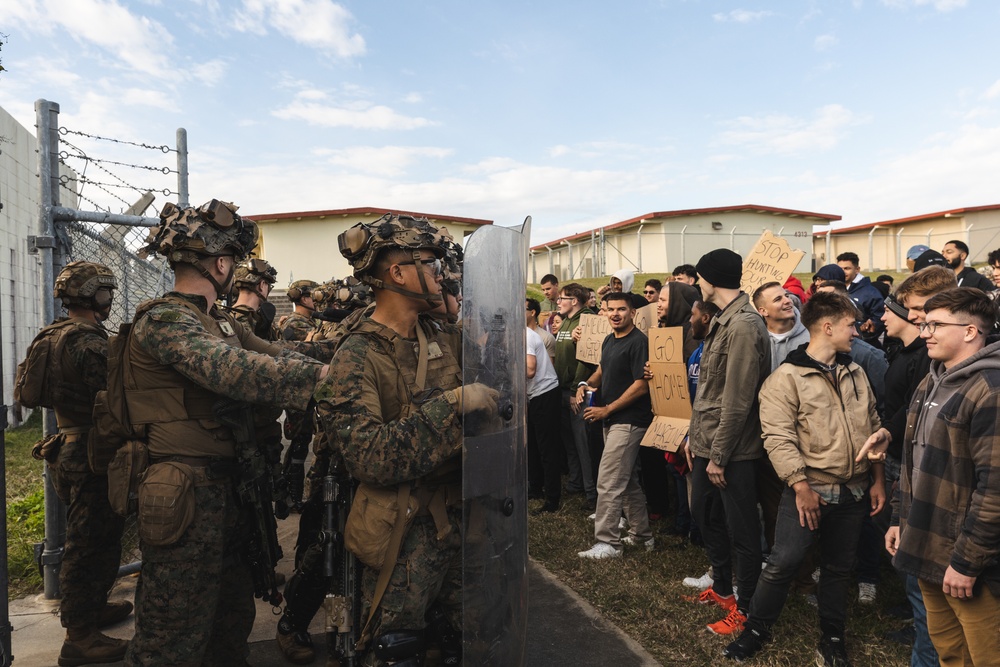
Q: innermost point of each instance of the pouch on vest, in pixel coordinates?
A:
(166, 503)
(47, 449)
(369, 525)
(125, 473)
(30, 381)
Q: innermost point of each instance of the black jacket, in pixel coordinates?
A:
(872, 305)
(907, 367)
(969, 277)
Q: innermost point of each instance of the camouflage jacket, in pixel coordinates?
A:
(318, 350)
(297, 327)
(170, 346)
(87, 351)
(254, 321)
(369, 406)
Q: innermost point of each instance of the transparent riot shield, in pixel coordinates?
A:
(495, 554)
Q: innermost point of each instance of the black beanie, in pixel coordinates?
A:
(721, 268)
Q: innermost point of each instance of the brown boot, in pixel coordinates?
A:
(91, 648)
(297, 647)
(114, 612)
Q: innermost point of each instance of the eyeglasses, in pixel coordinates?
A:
(565, 298)
(932, 327)
(649, 291)
(434, 263)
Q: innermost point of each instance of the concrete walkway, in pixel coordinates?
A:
(563, 629)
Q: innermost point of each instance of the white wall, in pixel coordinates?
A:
(20, 274)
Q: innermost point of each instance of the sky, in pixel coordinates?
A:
(580, 114)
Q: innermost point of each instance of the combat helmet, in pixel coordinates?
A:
(188, 234)
(78, 284)
(454, 258)
(300, 289)
(250, 272)
(362, 243)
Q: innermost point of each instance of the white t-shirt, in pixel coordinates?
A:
(545, 373)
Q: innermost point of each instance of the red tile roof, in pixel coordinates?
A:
(344, 212)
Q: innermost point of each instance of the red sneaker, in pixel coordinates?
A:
(730, 624)
(709, 596)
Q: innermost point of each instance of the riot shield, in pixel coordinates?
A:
(495, 550)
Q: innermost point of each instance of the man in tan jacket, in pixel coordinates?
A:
(817, 412)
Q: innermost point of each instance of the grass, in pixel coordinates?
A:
(25, 506)
(641, 594)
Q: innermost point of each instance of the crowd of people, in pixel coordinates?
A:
(832, 426)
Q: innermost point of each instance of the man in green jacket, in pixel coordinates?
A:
(572, 301)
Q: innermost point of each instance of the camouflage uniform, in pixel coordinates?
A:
(298, 424)
(367, 406)
(195, 601)
(93, 530)
(195, 595)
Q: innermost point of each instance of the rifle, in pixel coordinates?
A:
(342, 602)
(254, 491)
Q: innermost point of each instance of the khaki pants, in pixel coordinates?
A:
(618, 488)
(966, 633)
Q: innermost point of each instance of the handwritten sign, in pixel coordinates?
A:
(666, 433)
(668, 390)
(645, 318)
(595, 329)
(543, 317)
(770, 260)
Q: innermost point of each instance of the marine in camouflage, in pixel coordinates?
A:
(93, 530)
(297, 327)
(195, 602)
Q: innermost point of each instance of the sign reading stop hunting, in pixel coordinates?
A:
(770, 260)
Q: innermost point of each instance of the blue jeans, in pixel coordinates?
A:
(923, 654)
(839, 528)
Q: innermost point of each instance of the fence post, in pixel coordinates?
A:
(47, 120)
(182, 168)
(871, 249)
(900, 261)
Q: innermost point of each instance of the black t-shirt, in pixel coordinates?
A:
(622, 360)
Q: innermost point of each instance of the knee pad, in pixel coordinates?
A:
(401, 648)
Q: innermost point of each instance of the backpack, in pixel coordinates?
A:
(40, 381)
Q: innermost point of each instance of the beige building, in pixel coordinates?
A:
(658, 242)
(303, 245)
(882, 246)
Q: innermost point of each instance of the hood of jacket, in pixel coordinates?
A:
(679, 304)
(627, 277)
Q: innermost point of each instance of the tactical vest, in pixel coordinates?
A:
(49, 378)
(397, 370)
(264, 418)
(178, 413)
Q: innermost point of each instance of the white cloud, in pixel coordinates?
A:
(940, 5)
(413, 98)
(146, 97)
(209, 73)
(309, 106)
(789, 135)
(318, 24)
(741, 16)
(381, 160)
(993, 91)
(825, 42)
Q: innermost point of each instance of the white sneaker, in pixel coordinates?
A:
(600, 551)
(633, 541)
(703, 582)
(866, 592)
(593, 517)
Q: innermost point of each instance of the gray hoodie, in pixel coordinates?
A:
(782, 344)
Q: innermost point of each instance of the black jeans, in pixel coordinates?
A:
(838, 533)
(544, 444)
(738, 533)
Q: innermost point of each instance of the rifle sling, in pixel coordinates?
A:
(422, 356)
(389, 564)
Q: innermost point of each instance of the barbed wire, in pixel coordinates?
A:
(166, 192)
(162, 170)
(164, 148)
(90, 201)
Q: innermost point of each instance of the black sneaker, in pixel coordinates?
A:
(747, 645)
(589, 505)
(832, 652)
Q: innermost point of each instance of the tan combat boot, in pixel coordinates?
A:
(297, 647)
(113, 612)
(90, 647)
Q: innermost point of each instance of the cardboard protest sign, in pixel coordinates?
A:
(645, 318)
(668, 389)
(543, 317)
(595, 329)
(770, 260)
(666, 433)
